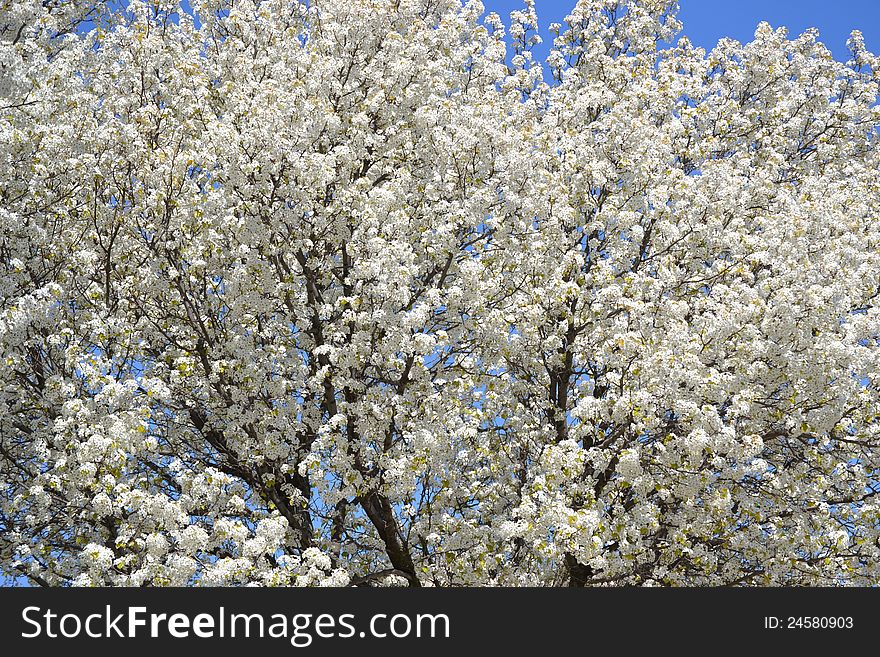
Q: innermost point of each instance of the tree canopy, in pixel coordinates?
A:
(358, 292)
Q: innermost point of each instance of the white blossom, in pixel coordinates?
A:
(359, 292)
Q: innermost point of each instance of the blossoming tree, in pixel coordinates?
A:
(358, 292)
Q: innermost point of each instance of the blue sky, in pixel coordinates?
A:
(706, 21)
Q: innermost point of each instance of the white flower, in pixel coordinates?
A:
(98, 557)
(157, 545)
(192, 539)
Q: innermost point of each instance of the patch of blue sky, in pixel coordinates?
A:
(707, 21)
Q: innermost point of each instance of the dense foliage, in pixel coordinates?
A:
(345, 291)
